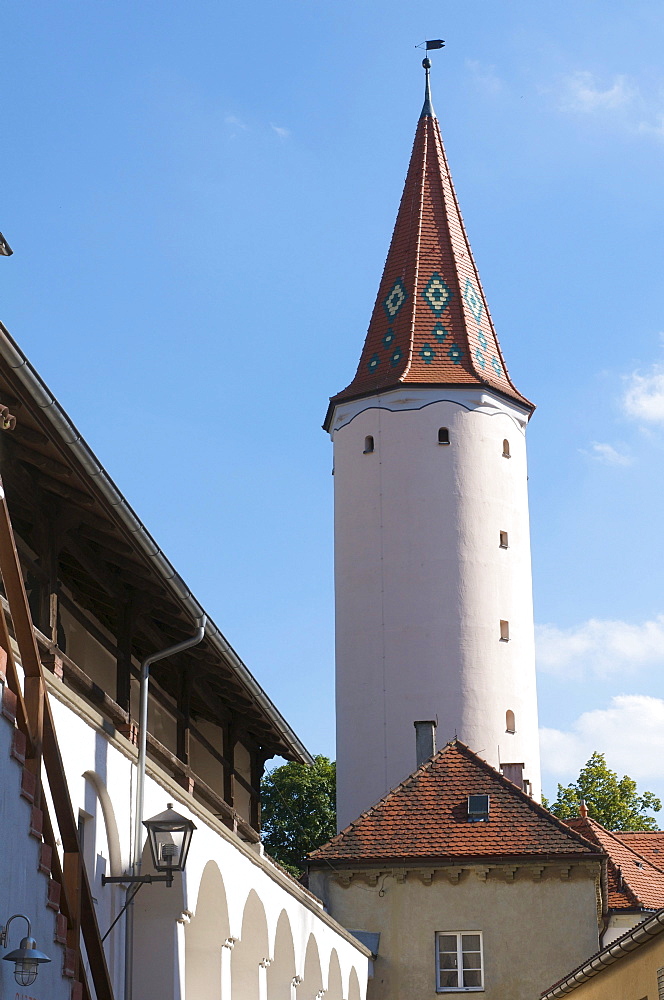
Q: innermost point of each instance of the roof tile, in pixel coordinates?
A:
(426, 816)
(634, 881)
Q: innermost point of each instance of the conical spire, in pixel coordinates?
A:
(430, 324)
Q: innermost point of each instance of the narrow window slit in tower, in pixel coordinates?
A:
(506, 448)
(443, 435)
(503, 540)
(504, 631)
(510, 726)
(368, 444)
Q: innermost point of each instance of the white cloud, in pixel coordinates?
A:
(600, 648)
(234, 122)
(485, 77)
(644, 395)
(608, 455)
(630, 732)
(581, 92)
(654, 128)
(283, 133)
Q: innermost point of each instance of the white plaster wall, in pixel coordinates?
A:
(23, 889)
(422, 585)
(534, 930)
(167, 918)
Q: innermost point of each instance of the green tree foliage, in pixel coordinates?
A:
(614, 802)
(298, 810)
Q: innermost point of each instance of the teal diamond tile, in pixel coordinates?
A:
(437, 294)
(440, 332)
(427, 354)
(455, 354)
(373, 363)
(473, 300)
(395, 299)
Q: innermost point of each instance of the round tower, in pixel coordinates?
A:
(434, 618)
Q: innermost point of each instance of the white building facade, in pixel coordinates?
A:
(434, 618)
(87, 595)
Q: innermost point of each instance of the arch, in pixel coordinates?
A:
(334, 983)
(110, 823)
(204, 937)
(312, 984)
(281, 971)
(506, 448)
(250, 955)
(369, 444)
(510, 726)
(354, 986)
(443, 435)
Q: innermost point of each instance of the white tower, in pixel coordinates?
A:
(434, 617)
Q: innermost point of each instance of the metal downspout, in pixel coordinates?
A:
(140, 788)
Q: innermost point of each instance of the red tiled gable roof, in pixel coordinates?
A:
(426, 817)
(430, 323)
(648, 843)
(634, 882)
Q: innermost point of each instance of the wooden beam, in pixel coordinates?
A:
(123, 664)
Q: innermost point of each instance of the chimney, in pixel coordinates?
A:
(514, 773)
(425, 740)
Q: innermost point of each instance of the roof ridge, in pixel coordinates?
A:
(368, 826)
(541, 810)
(613, 835)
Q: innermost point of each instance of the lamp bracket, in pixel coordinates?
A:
(4, 931)
(134, 879)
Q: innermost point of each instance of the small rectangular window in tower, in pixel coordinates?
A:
(504, 631)
(443, 435)
(368, 444)
(506, 448)
(503, 540)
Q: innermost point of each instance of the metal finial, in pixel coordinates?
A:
(427, 107)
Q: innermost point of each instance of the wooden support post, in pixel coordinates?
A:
(258, 758)
(183, 720)
(230, 739)
(124, 636)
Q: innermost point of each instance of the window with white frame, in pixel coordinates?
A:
(459, 961)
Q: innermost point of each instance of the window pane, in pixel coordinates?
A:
(448, 960)
(447, 942)
(448, 979)
(470, 942)
(472, 978)
(472, 960)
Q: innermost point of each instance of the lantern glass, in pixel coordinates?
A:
(169, 836)
(25, 971)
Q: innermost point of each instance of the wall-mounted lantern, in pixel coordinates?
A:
(169, 837)
(26, 957)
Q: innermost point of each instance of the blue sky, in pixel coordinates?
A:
(200, 200)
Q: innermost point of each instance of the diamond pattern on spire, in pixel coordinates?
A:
(438, 330)
(437, 294)
(395, 299)
(473, 300)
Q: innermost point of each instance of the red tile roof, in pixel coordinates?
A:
(426, 817)
(431, 323)
(650, 844)
(634, 882)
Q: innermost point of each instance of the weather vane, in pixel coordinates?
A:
(433, 43)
